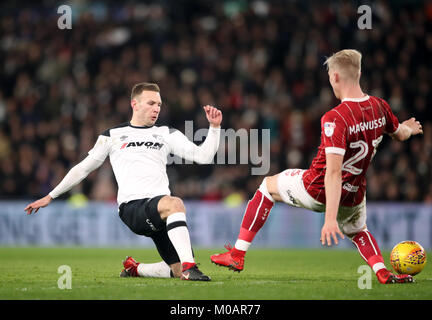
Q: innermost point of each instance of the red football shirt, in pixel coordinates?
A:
(353, 129)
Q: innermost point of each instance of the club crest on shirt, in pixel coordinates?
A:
(329, 128)
(158, 137)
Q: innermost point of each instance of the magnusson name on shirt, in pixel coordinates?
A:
(368, 125)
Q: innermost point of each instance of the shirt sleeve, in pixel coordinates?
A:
(333, 133)
(76, 175)
(101, 149)
(392, 122)
(94, 160)
(203, 154)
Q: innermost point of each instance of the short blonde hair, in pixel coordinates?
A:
(347, 61)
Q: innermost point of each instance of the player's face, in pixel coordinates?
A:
(147, 106)
(333, 78)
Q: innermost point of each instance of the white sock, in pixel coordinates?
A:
(378, 266)
(178, 233)
(242, 245)
(154, 270)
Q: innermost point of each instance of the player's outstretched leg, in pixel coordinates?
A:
(179, 235)
(370, 252)
(257, 211)
(173, 209)
(133, 268)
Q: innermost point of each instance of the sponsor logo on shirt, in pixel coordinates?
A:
(350, 188)
(148, 144)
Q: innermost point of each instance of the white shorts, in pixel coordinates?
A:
(351, 220)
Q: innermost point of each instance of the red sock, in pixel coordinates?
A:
(254, 218)
(369, 250)
(187, 265)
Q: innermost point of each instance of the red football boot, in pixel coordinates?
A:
(233, 259)
(386, 277)
(130, 268)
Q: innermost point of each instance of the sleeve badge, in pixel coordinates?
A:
(329, 128)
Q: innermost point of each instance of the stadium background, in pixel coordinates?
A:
(260, 62)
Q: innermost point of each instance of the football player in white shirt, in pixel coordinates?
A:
(138, 153)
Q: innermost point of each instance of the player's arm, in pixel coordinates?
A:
(75, 175)
(204, 153)
(333, 190)
(214, 116)
(72, 178)
(399, 131)
(407, 129)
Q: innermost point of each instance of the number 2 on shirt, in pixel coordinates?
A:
(363, 152)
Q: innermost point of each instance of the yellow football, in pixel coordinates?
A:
(408, 257)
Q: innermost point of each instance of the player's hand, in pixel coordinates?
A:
(330, 230)
(43, 202)
(214, 115)
(415, 126)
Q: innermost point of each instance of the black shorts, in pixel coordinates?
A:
(143, 218)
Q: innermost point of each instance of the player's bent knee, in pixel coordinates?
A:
(270, 185)
(169, 205)
(176, 204)
(351, 233)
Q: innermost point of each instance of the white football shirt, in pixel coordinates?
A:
(138, 156)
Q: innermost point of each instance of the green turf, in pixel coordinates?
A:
(31, 273)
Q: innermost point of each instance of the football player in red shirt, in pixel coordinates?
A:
(335, 183)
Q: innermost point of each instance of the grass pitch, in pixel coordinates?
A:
(32, 273)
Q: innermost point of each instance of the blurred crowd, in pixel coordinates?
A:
(260, 62)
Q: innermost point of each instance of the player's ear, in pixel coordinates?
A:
(336, 77)
(133, 103)
(331, 75)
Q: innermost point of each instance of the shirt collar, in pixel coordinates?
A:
(139, 127)
(362, 99)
